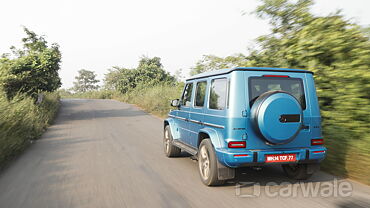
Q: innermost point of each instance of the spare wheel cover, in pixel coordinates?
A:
(277, 117)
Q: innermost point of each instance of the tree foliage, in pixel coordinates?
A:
(338, 52)
(32, 69)
(85, 81)
(149, 73)
(212, 62)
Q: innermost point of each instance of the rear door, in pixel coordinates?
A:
(197, 112)
(293, 83)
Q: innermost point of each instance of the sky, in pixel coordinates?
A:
(96, 35)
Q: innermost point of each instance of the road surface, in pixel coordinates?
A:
(104, 153)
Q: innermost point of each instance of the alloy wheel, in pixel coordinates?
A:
(204, 163)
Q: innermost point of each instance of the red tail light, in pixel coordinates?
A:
(243, 155)
(317, 142)
(275, 76)
(321, 151)
(238, 144)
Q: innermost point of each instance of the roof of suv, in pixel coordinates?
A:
(226, 71)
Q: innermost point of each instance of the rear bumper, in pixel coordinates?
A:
(241, 157)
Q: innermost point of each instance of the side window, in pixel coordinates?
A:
(228, 93)
(218, 94)
(200, 94)
(186, 96)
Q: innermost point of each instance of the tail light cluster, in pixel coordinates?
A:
(317, 142)
(242, 155)
(237, 144)
(321, 151)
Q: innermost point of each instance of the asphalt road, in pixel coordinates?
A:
(104, 153)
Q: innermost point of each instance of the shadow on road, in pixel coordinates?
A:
(265, 175)
(77, 111)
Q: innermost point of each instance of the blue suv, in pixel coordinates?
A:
(247, 116)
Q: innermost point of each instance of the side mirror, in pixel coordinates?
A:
(175, 103)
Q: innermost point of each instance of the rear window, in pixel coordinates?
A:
(218, 94)
(200, 94)
(260, 85)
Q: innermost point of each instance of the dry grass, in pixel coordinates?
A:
(21, 120)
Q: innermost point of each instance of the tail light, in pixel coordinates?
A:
(242, 155)
(238, 144)
(321, 151)
(317, 142)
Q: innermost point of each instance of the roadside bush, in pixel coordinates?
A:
(21, 121)
(154, 99)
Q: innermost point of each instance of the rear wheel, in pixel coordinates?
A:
(169, 149)
(300, 171)
(207, 164)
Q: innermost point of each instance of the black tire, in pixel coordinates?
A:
(298, 171)
(210, 178)
(169, 149)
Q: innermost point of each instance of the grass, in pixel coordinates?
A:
(21, 121)
(348, 153)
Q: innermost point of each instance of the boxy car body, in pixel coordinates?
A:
(251, 117)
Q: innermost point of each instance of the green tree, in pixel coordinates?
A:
(149, 72)
(85, 81)
(120, 79)
(32, 69)
(179, 75)
(212, 62)
(112, 78)
(338, 51)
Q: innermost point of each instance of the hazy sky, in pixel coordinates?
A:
(97, 35)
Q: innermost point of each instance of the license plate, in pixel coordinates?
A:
(280, 158)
